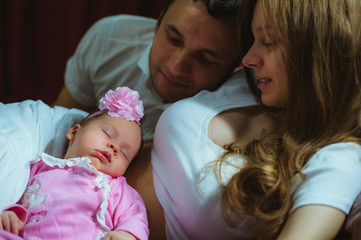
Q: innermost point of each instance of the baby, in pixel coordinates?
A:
(84, 195)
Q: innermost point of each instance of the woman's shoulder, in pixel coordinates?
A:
(332, 177)
(239, 126)
(341, 159)
(338, 153)
(234, 93)
(227, 115)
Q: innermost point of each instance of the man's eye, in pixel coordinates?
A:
(204, 60)
(174, 41)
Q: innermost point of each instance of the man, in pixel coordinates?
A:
(194, 47)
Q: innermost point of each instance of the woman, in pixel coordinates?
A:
(305, 56)
(300, 175)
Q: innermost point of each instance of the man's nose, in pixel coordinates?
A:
(180, 63)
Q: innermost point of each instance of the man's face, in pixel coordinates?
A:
(191, 51)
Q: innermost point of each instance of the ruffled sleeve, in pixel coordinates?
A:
(127, 209)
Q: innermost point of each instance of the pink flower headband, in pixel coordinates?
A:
(123, 103)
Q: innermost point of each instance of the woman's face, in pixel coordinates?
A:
(267, 60)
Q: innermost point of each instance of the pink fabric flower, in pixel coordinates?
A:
(124, 103)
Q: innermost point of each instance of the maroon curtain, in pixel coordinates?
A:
(38, 36)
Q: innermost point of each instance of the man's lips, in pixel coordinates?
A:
(174, 80)
(104, 156)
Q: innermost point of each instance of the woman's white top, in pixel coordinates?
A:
(182, 151)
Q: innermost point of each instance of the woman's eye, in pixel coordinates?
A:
(270, 40)
(268, 44)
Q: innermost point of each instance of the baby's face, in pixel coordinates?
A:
(111, 143)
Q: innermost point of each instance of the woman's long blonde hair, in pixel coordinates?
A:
(322, 40)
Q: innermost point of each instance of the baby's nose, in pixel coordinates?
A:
(113, 147)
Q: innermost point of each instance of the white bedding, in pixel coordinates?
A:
(27, 129)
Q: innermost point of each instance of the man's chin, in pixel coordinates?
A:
(171, 94)
(171, 98)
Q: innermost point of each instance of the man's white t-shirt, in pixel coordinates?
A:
(115, 53)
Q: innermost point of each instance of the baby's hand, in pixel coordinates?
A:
(10, 222)
(119, 235)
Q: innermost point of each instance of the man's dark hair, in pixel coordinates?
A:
(216, 8)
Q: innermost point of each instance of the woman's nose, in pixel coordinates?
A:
(114, 148)
(252, 59)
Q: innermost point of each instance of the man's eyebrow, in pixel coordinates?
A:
(174, 29)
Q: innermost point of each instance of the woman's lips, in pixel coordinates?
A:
(262, 82)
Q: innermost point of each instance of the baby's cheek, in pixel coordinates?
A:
(95, 163)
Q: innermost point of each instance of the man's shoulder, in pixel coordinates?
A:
(135, 18)
(127, 18)
(126, 23)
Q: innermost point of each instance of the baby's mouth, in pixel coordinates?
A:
(104, 156)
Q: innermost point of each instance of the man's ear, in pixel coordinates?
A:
(159, 21)
(72, 132)
(238, 68)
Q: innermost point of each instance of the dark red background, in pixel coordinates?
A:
(38, 36)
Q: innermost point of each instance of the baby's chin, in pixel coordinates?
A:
(95, 162)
